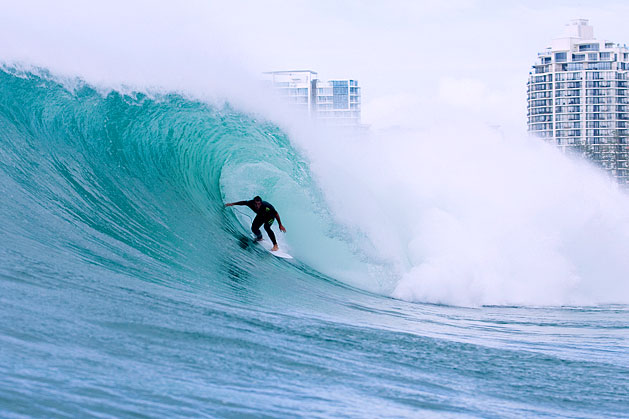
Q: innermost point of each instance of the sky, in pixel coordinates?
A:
(427, 58)
(417, 62)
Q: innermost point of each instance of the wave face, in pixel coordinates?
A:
(127, 289)
(129, 182)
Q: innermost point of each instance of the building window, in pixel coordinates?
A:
(568, 85)
(600, 66)
(600, 100)
(588, 47)
(574, 66)
(569, 117)
(599, 92)
(543, 102)
(540, 95)
(602, 83)
(561, 57)
(341, 94)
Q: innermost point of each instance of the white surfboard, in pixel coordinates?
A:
(279, 253)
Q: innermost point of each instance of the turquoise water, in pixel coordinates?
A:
(128, 290)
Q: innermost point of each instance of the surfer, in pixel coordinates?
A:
(265, 214)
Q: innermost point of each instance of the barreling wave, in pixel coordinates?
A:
(136, 184)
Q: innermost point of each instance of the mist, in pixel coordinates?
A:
(472, 217)
(446, 192)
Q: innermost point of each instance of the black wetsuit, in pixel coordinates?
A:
(265, 215)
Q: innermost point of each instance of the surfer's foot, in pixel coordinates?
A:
(258, 239)
(275, 248)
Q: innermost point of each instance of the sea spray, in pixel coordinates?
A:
(473, 216)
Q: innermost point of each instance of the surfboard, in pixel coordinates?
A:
(278, 253)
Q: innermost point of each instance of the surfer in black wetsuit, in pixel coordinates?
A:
(265, 214)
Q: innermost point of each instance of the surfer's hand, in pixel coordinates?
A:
(282, 229)
(229, 205)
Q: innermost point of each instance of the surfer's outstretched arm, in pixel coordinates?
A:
(279, 222)
(236, 203)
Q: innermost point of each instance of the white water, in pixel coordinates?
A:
(469, 216)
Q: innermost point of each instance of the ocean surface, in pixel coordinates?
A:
(128, 290)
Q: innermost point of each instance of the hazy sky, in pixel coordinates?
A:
(413, 56)
(417, 61)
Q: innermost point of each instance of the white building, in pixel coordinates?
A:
(296, 86)
(578, 97)
(333, 102)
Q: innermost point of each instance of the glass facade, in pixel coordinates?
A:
(339, 102)
(589, 47)
(340, 94)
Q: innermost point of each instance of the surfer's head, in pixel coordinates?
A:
(257, 201)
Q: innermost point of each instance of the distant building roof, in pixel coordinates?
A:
(290, 71)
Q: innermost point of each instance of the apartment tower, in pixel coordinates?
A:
(578, 97)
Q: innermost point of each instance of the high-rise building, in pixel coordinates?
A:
(578, 97)
(333, 102)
